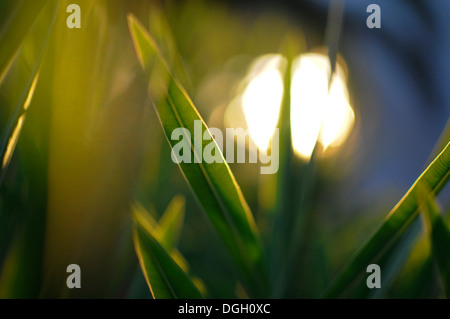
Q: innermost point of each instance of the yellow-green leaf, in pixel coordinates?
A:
(15, 124)
(14, 27)
(171, 222)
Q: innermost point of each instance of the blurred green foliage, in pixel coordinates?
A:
(91, 154)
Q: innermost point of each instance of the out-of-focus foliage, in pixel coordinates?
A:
(81, 146)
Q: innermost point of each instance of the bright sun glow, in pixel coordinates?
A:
(261, 100)
(315, 114)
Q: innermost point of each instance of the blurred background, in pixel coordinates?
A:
(81, 141)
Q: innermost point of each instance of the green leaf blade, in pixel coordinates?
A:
(164, 277)
(213, 183)
(439, 236)
(167, 239)
(434, 177)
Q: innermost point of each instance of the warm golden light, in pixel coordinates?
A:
(339, 117)
(261, 100)
(13, 141)
(308, 100)
(315, 114)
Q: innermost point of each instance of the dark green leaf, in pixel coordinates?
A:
(434, 178)
(439, 234)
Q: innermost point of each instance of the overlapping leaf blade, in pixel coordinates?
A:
(164, 277)
(213, 184)
(167, 239)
